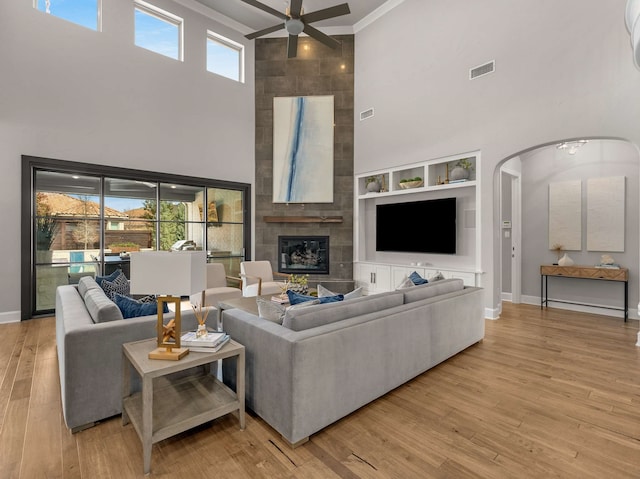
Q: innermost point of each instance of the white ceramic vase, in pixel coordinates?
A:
(565, 261)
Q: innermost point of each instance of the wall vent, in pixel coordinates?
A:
(482, 70)
(366, 114)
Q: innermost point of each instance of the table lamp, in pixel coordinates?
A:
(169, 275)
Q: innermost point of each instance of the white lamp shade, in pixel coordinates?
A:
(635, 41)
(632, 13)
(175, 273)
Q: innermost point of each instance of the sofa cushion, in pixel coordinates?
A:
(101, 309)
(429, 290)
(301, 319)
(86, 283)
(322, 292)
(134, 308)
(120, 285)
(297, 298)
(417, 279)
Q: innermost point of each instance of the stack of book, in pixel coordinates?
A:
(209, 343)
(608, 265)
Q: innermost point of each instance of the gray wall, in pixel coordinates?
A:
(74, 94)
(563, 70)
(549, 165)
(316, 71)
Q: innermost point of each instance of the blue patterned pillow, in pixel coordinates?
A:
(111, 277)
(119, 285)
(133, 308)
(417, 279)
(296, 298)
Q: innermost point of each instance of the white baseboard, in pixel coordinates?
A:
(638, 343)
(505, 296)
(10, 317)
(592, 309)
(493, 313)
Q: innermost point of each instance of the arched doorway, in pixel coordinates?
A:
(557, 163)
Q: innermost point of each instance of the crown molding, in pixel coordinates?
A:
(212, 14)
(376, 14)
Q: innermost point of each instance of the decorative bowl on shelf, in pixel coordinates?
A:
(410, 184)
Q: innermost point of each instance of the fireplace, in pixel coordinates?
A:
(303, 254)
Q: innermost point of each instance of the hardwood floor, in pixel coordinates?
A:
(546, 394)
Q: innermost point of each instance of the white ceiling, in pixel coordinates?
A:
(256, 19)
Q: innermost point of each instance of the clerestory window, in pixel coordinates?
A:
(86, 13)
(158, 30)
(225, 57)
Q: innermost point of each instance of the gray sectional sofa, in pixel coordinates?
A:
(325, 361)
(90, 331)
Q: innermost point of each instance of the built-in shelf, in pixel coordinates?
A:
(302, 219)
(433, 174)
(436, 178)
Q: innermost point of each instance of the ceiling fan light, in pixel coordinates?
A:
(294, 26)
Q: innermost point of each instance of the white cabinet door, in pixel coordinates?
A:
(374, 278)
(382, 277)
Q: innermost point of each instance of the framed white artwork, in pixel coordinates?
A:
(605, 214)
(303, 149)
(565, 215)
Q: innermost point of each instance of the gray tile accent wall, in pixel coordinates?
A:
(317, 70)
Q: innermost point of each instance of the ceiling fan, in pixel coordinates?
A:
(296, 22)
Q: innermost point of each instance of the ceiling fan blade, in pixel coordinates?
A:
(321, 37)
(266, 8)
(325, 13)
(295, 8)
(264, 31)
(292, 46)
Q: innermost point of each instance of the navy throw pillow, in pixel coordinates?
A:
(111, 277)
(417, 279)
(133, 308)
(296, 298)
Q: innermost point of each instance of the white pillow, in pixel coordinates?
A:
(406, 283)
(275, 312)
(323, 292)
(436, 277)
(270, 310)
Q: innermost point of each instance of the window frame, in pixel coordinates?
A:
(32, 164)
(227, 42)
(164, 16)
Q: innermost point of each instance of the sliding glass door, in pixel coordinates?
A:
(85, 220)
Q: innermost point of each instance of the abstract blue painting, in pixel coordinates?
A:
(303, 149)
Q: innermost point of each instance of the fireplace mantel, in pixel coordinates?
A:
(302, 219)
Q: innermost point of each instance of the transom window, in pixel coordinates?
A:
(81, 12)
(158, 30)
(225, 57)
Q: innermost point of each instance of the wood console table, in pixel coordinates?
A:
(584, 272)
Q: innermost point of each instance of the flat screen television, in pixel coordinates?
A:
(427, 226)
